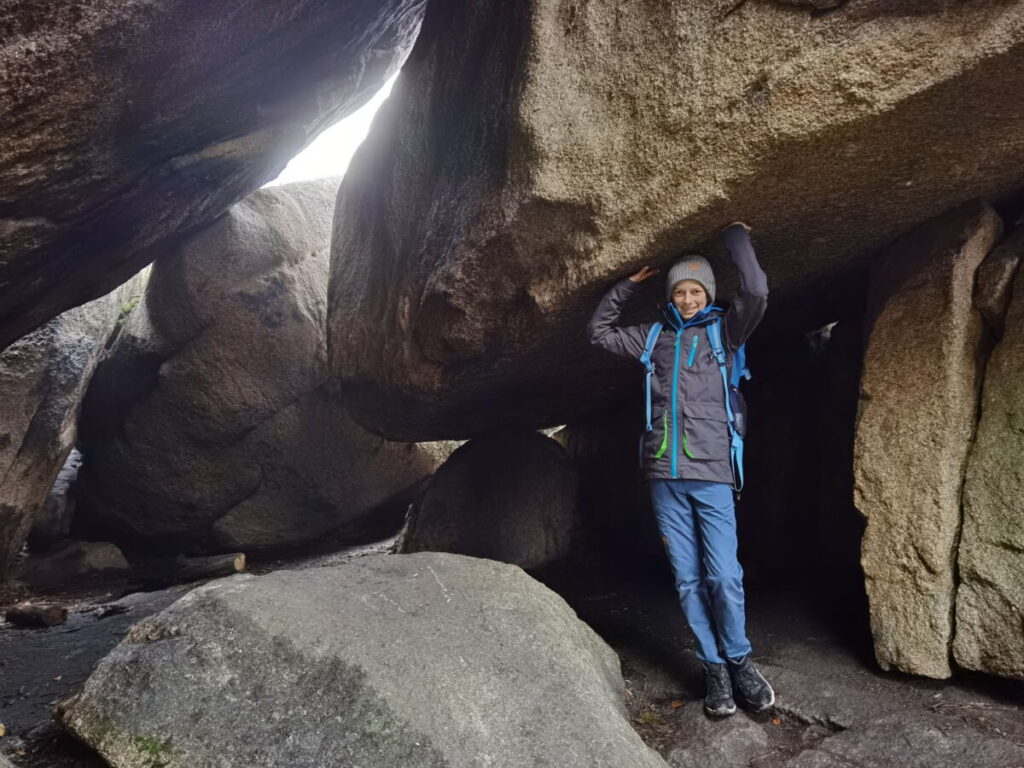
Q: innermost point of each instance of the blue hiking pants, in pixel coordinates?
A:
(698, 526)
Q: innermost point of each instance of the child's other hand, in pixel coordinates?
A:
(643, 274)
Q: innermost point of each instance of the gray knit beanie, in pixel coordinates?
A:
(692, 267)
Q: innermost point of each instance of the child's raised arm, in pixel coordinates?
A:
(749, 305)
(625, 341)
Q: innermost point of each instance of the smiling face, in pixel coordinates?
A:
(689, 297)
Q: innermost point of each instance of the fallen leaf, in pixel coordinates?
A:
(676, 704)
(776, 721)
(58, 677)
(2, 729)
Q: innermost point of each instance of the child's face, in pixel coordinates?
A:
(689, 297)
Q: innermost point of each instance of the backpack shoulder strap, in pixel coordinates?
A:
(652, 338)
(645, 359)
(739, 357)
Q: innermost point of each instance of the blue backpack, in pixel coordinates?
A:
(730, 382)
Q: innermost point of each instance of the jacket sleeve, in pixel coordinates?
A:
(749, 306)
(625, 341)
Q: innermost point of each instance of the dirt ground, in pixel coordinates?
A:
(835, 708)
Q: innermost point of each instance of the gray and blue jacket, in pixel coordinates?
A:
(690, 439)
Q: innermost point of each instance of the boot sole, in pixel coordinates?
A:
(720, 712)
(764, 707)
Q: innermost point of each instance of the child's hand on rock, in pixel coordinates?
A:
(643, 274)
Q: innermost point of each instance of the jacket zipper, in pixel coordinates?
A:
(693, 352)
(675, 409)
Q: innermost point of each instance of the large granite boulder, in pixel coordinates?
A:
(208, 426)
(508, 496)
(43, 378)
(125, 121)
(990, 595)
(512, 177)
(391, 660)
(916, 420)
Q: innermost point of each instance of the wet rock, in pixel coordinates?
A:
(43, 378)
(990, 596)
(422, 660)
(52, 521)
(73, 560)
(208, 427)
(46, 665)
(914, 429)
(509, 180)
(509, 496)
(124, 122)
(34, 615)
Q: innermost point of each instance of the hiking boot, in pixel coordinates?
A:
(718, 701)
(750, 686)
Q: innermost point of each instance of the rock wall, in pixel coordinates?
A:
(43, 378)
(917, 417)
(509, 179)
(990, 596)
(123, 122)
(208, 426)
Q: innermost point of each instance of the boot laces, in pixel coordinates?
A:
(718, 682)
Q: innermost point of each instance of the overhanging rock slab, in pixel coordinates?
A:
(534, 151)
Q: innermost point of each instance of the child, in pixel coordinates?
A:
(687, 454)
